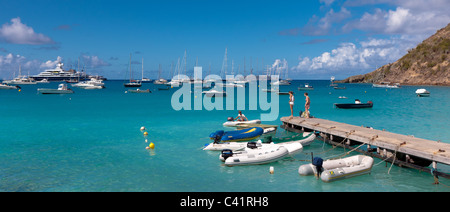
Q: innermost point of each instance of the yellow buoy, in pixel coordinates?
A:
(145, 133)
(152, 145)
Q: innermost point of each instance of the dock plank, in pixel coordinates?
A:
(427, 149)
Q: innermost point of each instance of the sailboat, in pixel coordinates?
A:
(133, 83)
(160, 81)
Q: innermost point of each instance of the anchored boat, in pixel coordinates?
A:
(338, 169)
(235, 146)
(234, 123)
(254, 156)
(62, 89)
(422, 92)
(355, 105)
(238, 135)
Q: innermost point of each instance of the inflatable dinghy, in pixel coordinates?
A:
(307, 139)
(254, 156)
(332, 170)
(238, 135)
(234, 123)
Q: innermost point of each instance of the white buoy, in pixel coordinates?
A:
(271, 170)
(142, 128)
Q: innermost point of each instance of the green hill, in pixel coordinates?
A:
(427, 64)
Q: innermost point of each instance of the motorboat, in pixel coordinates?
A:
(254, 156)
(281, 82)
(234, 123)
(331, 170)
(139, 91)
(235, 146)
(62, 89)
(355, 105)
(93, 83)
(21, 80)
(215, 93)
(237, 135)
(422, 92)
(5, 86)
(339, 88)
(306, 87)
(386, 85)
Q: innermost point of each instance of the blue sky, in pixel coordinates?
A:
(316, 38)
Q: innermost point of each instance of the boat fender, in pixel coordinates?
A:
(226, 153)
(252, 145)
(318, 162)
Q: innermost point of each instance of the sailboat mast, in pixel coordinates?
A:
(142, 70)
(130, 67)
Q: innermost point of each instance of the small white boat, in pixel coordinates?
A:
(62, 89)
(5, 86)
(281, 82)
(332, 170)
(422, 92)
(234, 123)
(91, 84)
(386, 85)
(306, 87)
(254, 156)
(139, 91)
(215, 93)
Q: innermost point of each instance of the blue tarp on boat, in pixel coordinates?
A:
(238, 135)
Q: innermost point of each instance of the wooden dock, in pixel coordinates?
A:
(404, 150)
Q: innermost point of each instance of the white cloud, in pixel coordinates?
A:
(51, 64)
(93, 61)
(351, 58)
(19, 33)
(409, 17)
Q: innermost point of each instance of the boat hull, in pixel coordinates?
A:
(256, 157)
(234, 123)
(354, 106)
(54, 91)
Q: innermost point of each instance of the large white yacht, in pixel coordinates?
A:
(59, 74)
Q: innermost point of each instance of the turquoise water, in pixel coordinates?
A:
(90, 141)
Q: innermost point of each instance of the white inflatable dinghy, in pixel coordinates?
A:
(235, 123)
(254, 156)
(340, 168)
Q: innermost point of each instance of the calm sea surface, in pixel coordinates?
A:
(91, 140)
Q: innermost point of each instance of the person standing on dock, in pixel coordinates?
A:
(307, 104)
(291, 102)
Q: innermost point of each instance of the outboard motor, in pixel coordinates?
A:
(230, 119)
(251, 145)
(217, 139)
(226, 153)
(318, 162)
(217, 133)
